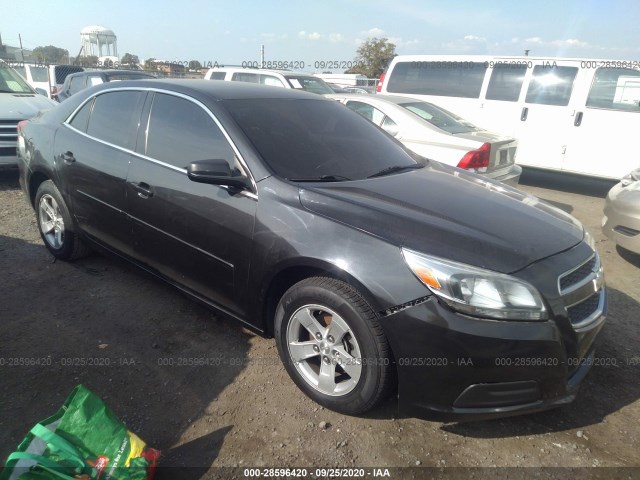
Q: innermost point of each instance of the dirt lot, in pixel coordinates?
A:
(134, 341)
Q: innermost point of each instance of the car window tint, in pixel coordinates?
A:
(245, 77)
(506, 82)
(39, 74)
(367, 111)
(114, 117)
(615, 89)
(77, 84)
(551, 85)
(302, 138)
(271, 80)
(448, 79)
(218, 75)
(81, 118)
(181, 132)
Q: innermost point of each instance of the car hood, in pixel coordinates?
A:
(22, 105)
(451, 214)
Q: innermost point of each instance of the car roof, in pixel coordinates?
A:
(212, 90)
(262, 70)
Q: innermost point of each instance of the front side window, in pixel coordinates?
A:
(115, 116)
(615, 89)
(39, 74)
(181, 132)
(551, 85)
(447, 79)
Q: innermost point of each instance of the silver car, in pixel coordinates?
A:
(435, 133)
(621, 222)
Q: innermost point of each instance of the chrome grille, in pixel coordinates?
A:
(582, 292)
(8, 137)
(578, 275)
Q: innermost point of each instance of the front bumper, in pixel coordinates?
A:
(452, 367)
(621, 222)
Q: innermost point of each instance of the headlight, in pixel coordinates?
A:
(588, 238)
(475, 291)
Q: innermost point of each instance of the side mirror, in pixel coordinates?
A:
(41, 91)
(215, 172)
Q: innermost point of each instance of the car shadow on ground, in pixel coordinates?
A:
(566, 182)
(611, 385)
(631, 257)
(9, 180)
(157, 358)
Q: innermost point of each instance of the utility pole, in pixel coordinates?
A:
(21, 50)
(261, 55)
(526, 53)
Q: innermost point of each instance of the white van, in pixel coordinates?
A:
(573, 115)
(274, 78)
(45, 79)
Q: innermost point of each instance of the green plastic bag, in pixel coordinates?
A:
(83, 440)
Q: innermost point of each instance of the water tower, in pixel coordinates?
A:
(98, 41)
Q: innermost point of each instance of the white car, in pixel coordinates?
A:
(274, 78)
(435, 133)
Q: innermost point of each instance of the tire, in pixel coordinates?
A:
(332, 345)
(55, 225)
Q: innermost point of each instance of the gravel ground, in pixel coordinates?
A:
(211, 394)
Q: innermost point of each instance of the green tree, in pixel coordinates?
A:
(373, 56)
(150, 64)
(51, 54)
(195, 65)
(88, 61)
(129, 59)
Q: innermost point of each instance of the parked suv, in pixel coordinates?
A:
(274, 78)
(76, 82)
(18, 101)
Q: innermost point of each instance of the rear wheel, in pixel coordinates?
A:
(55, 225)
(332, 345)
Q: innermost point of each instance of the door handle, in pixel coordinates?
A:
(143, 189)
(68, 158)
(578, 121)
(523, 115)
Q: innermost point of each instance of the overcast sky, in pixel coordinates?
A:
(307, 31)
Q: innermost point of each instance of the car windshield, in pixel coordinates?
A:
(439, 117)
(11, 82)
(310, 84)
(305, 139)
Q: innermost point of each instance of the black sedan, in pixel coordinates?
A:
(371, 267)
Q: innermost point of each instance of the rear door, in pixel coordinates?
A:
(196, 234)
(603, 138)
(92, 155)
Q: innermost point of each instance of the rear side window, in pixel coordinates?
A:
(551, 85)
(81, 118)
(115, 116)
(217, 75)
(506, 82)
(367, 111)
(615, 89)
(39, 74)
(95, 80)
(181, 132)
(245, 77)
(77, 84)
(447, 79)
(271, 80)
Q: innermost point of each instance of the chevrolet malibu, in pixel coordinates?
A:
(377, 271)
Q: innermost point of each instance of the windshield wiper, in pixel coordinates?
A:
(323, 178)
(396, 168)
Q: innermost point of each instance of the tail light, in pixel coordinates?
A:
(380, 81)
(54, 89)
(476, 160)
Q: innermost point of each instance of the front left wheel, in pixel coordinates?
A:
(55, 224)
(332, 345)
